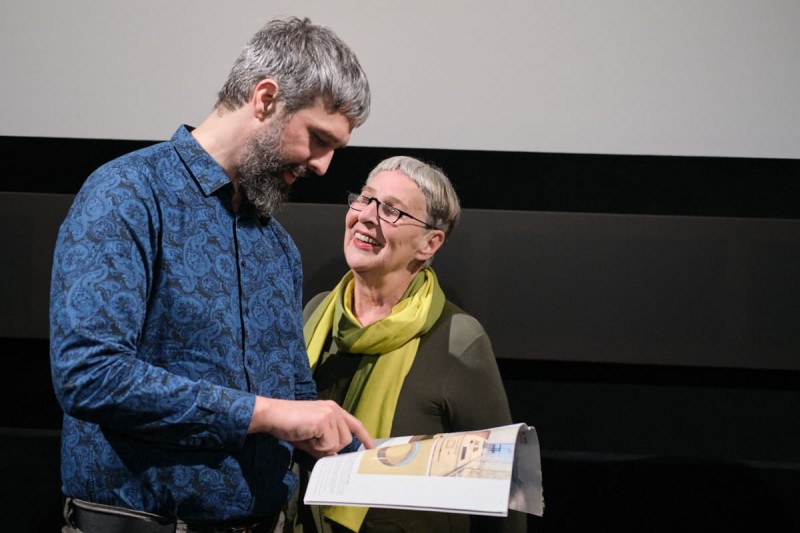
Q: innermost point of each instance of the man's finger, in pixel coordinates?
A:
(358, 429)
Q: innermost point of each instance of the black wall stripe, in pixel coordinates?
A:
(590, 183)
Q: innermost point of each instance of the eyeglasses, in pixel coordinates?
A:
(359, 202)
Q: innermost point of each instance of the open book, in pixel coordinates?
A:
(476, 472)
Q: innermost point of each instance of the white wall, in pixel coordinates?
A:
(684, 77)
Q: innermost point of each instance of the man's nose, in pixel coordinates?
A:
(319, 164)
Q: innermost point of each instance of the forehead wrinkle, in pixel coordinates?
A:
(389, 200)
(330, 136)
(326, 124)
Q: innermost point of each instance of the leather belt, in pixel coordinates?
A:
(91, 517)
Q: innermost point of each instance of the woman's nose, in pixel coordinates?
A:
(369, 212)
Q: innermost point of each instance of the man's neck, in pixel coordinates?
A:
(223, 134)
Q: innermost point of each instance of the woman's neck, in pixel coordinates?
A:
(374, 300)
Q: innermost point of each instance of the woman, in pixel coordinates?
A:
(389, 347)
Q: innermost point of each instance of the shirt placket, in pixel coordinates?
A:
(243, 263)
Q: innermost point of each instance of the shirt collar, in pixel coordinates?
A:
(206, 172)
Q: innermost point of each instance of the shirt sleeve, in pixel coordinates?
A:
(103, 271)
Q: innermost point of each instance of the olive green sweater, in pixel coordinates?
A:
(453, 385)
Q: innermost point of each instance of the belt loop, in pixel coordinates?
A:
(68, 512)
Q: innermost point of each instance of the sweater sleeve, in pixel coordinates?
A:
(473, 368)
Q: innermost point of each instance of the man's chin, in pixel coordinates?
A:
(268, 210)
(268, 202)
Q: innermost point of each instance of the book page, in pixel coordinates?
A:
(526, 483)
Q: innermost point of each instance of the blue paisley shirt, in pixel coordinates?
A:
(168, 314)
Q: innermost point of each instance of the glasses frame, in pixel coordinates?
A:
(352, 198)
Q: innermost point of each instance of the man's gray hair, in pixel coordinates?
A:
(307, 61)
(440, 198)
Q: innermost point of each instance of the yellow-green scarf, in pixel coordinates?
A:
(389, 347)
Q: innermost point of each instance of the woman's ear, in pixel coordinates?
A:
(433, 241)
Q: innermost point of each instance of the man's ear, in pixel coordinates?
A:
(433, 241)
(265, 98)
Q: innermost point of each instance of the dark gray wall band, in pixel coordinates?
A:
(633, 289)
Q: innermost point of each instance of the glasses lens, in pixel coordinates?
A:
(359, 202)
(389, 213)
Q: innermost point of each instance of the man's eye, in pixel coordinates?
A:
(318, 140)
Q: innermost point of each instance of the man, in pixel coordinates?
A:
(176, 336)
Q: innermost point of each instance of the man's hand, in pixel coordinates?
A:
(317, 427)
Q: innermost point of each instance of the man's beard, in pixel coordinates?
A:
(261, 172)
